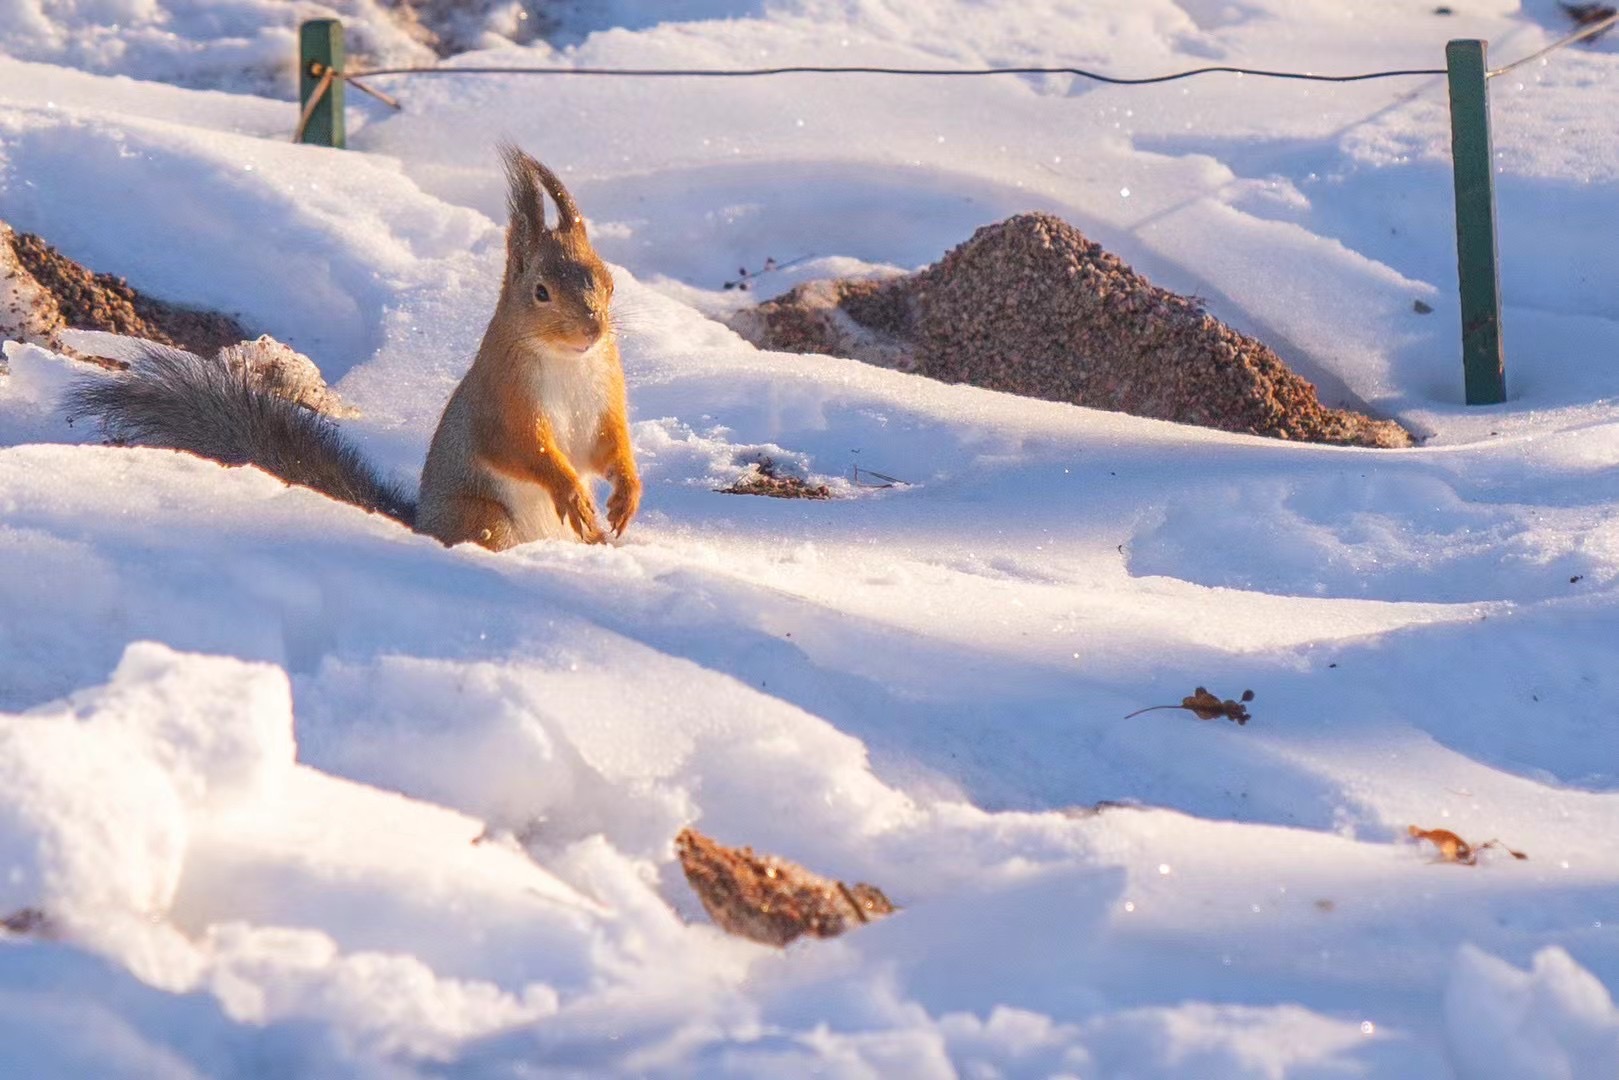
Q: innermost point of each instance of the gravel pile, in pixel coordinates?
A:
(1031, 307)
(86, 300)
(43, 292)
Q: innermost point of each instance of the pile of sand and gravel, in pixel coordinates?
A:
(43, 292)
(1031, 307)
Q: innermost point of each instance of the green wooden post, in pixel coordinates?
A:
(320, 42)
(1472, 160)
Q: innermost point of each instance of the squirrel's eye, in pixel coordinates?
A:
(542, 294)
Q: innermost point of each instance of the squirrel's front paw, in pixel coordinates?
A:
(580, 513)
(626, 499)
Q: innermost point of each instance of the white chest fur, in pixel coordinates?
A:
(571, 392)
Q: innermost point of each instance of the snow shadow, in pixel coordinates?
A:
(576, 20)
(252, 582)
(1558, 311)
(699, 225)
(86, 1016)
(1399, 535)
(1526, 693)
(144, 205)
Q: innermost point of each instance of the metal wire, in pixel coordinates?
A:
(1579, 35)
(743, 73)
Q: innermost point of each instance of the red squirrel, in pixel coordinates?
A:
(541, 410)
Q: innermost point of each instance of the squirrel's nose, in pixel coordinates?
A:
(590, 330)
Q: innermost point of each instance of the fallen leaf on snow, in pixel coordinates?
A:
(1205, 706)
(765, 477)
(1453, 848)
(768, 899)
(27, 921)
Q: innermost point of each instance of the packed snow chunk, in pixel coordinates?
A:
(32, 382)
(221, 728)
(561, 746)
(95, 792)
(1554, 1022)
(1233, 1042)
(378, 873)
(88, 820)
(485, 740)
(385, 1003)
(1014, 1042)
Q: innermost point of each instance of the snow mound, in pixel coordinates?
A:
(561, 748)
(97, 793)
(239, 44)
(1555, 1021)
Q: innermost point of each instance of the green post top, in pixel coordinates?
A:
(320, 42)
(1477, 263)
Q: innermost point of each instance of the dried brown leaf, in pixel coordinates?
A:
(769, 899)
(764, 477)
(1454, 849)
(1205, 706)
(27, 921)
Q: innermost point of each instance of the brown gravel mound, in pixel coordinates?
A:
(1030, 306)
(43, 292)
(91, 301)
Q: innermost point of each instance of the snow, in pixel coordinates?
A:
(1554, 1020)
(302, 794)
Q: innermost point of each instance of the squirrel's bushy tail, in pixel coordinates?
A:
(176, 399)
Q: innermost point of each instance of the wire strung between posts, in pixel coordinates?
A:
(353, 78)
(748, 73)
(1581, 34)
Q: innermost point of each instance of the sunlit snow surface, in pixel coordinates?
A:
(251, 736)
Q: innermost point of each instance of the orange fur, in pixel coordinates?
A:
(614, 457)
(543, 406)
(481, 521)
(513, 437)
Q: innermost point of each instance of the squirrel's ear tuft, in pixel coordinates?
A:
(524, 203)
(524, 178)
(568, 218)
